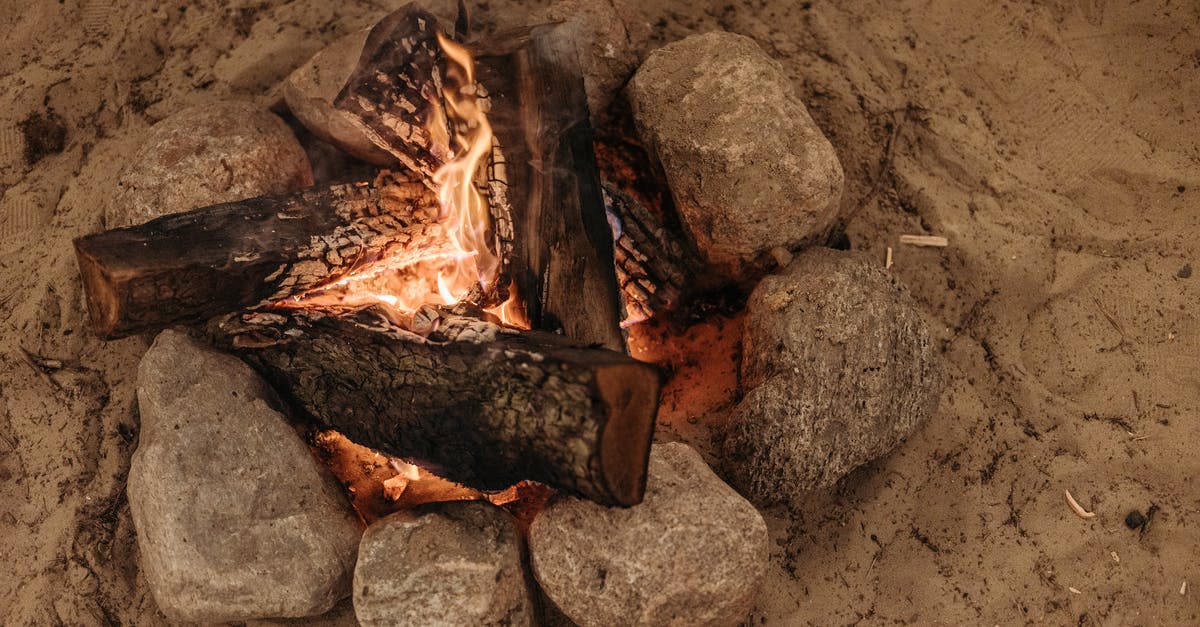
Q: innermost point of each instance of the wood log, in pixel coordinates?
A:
(395, 91)
(191, 266)
(472, 401)
(654, 270)
(543, 184)
(561, 260)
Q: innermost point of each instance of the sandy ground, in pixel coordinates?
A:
(1054, 143)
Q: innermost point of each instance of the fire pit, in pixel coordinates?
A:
(400, 311)
(466, 325)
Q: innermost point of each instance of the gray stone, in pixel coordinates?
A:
(840, 368)
(207, 155)
(312, 88)
(342, 615)
(235, 518)
(747, 166)
(445, 564)
(607, 43)
(691, 553)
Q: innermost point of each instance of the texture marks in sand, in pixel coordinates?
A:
(1054, 144)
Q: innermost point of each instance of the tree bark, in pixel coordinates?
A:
(561, 258)
(543, 183)
(653, 269)
(473, 402)
(191, 266)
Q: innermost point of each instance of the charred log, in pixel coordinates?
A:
(542, 182)
(562, 254)
(653, 269)
(191, 266)
(474, 402)
(395, 91)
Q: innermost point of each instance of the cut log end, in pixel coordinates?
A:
(630, 394)
(103, 300)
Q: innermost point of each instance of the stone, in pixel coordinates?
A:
(606, 41)
(311, 89)
(342, 615)
(840, 368)
(207, 155)
(748, 168)
(455, 563)
(235, 517)
(692, 553)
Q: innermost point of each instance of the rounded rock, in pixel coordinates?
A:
(235, 518)
(207, 155)
(748, 168)
(446, 564)
(692, 553)
(840, 367)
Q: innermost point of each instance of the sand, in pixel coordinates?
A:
(1055, 145)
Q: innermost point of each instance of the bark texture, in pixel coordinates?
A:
(472, 401)
(395, 92)
(653, 270)
(191, 266)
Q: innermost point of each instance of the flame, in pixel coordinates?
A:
(464, 208)
(466, 266)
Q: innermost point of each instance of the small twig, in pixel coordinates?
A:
(1076, 507)
(33, 362)
(936, 241)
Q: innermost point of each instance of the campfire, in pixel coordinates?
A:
(466, 325)
(461, 314)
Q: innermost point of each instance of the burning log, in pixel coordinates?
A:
(191, 266)
(474, 402)
(401, 109)
(543, 186)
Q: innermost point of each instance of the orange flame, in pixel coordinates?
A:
(464, 208)
(450, 274)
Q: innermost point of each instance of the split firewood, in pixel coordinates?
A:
(191, 266)
(562, 253)
(394, 93)
(653, 269)
(542, 183)
(470, 400)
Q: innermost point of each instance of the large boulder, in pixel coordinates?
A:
(235, 518)
(691, 553)
(747, 166)
(840, 367)
(446, 564)
(207, 155)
